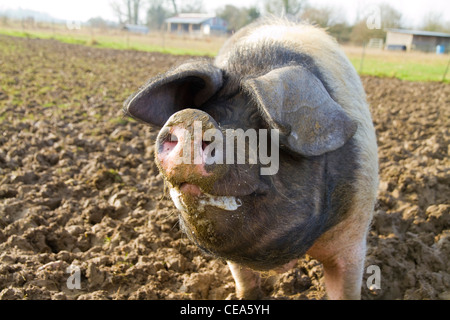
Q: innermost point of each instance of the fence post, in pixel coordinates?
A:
(362, 57)
(446, 70)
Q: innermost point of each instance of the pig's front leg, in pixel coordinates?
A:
(248, 282)
(342, 258)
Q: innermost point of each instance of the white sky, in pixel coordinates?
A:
(412, 10)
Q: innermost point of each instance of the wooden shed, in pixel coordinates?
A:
(427, 41)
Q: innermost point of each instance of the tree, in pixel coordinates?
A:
(324, 16)
(135, 13)
(360, 33)
(174, 4)
(185, 6)
(157, 13)
(127, 11)
(98, 22)
(434, 21)
(341, 31)
(192, 6)
(284, 7)
(390, 17)
(330, 17)
(253, 13)
(237, 17)
(116, 7)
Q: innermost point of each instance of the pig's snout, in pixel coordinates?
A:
(182, 154)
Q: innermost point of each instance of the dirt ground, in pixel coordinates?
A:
(78, 187)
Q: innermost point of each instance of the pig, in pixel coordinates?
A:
(290, 84)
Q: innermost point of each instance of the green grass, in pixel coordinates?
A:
(407, 69)
(109, 42)
(43, 35)
(410, 66)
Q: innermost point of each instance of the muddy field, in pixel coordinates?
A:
(78, 187)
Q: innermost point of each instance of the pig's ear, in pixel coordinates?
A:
(295, 101)
(186, 86)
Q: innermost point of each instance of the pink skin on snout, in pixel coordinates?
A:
(190, 188)
(172, 162)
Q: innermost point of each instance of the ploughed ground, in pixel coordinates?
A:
(79, 187)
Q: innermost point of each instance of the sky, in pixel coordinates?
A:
(82, 10)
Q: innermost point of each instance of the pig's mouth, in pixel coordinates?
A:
(190, 188)
(214, 209)
(189, 198)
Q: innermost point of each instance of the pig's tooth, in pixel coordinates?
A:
(177, 200)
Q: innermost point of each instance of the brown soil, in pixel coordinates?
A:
(79, 187)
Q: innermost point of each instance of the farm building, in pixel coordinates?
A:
(407, 40)
(196, 23)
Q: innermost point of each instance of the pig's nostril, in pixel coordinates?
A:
(168, 143)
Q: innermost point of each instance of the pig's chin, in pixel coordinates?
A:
(220, 226)
(205, 218)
